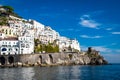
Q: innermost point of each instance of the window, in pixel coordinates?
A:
(4, 49)
(10, 32)
(6, 31)
(27, 45)
(10, 49)
(16, 49)
(9, 45)
(9, 42)
(22, 45)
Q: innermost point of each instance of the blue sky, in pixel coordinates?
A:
(93, 23)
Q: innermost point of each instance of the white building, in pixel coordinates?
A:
(38, 27)
(26, 45)
(2, 35)
(26, 31)
(17, 45)
(48, 35)
(64, 43)
(26, 42)
(9, 46)
(75, 45)
(36, 24)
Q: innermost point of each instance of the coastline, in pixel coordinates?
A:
(51, 59)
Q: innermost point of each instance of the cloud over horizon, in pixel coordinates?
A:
(98, 48)
(102, 49)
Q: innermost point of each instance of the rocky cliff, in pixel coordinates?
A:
(90, 57)
(53, 59)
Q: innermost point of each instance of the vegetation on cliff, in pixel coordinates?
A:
(5, 11)
(48, 48)
(8, 10)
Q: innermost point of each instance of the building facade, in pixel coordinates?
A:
(9, 46)
(28, 30)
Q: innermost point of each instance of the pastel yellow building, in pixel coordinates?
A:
(9, 32)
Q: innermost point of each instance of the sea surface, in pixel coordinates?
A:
(102, 72)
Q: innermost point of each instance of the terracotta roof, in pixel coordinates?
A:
(9, 38)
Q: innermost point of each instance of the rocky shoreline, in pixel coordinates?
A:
(90, 57)
(55, 59)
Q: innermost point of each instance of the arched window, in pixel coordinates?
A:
(4, 49)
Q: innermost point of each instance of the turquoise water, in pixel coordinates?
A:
(104, 72)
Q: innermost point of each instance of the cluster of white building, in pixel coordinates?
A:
(18, 37)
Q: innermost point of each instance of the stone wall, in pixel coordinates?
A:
(46, 59)
(54, 59)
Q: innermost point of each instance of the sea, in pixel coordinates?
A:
(77, 72)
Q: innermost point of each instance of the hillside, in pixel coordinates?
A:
(5, 11)
(45, 38)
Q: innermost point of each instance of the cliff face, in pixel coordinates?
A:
(52, 59)
(95, 57)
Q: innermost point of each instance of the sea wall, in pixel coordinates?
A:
(47, 59)
(53, 59)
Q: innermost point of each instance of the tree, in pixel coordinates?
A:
(3, 21)
(56, 48)
(49, 48)
(36, 41)
(9, 9)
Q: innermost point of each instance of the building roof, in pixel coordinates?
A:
(9, 39)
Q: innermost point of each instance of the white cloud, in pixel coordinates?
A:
(101, 48)
(115, 32)
(84, 48)
(111, 55)
(98, 48)
(92, 37)
(85, 21)
(113, 43)
(106, 50)
(70, 29)
(108, 29)
(118, 51)
(77, 30)
(87, 16)
(112, 58)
